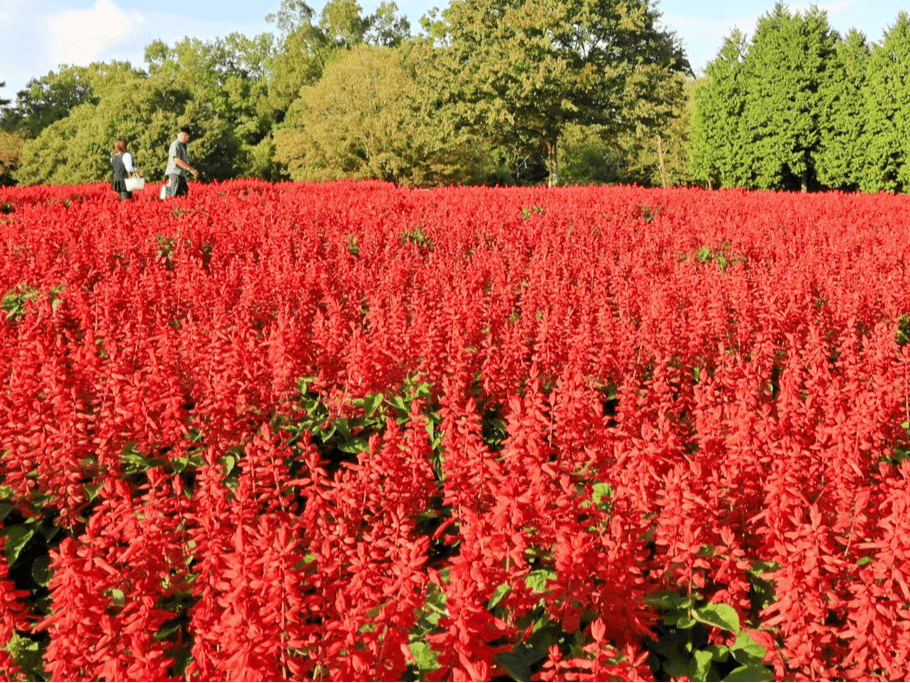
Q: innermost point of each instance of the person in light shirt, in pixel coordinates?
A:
(122, 166)
(178, 165)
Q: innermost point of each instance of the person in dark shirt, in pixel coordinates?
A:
(122, 165)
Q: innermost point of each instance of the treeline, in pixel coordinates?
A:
(801, 107)
(487, 91)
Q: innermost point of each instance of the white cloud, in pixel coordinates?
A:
(80, 36)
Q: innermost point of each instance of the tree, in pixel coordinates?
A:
(646, 155)
(11, 145)
(50, 98)
(520, 71)
(146, 113)
(785, 68)
(887, 107)
(227, 79)
(715, 142)
(363, 120)
(309, 43)
(841, 149)
(386, 29)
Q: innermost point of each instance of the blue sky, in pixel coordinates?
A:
(37, 36)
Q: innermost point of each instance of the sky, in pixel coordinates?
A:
(39, 36)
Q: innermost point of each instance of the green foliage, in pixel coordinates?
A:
(715, 143)
(339, 436)
(311, 42)
(46, 100)
(521, 71)
(683, 649)
(15, 300)
(365, 119)
(841, 149)
(11, 145)
(886, 137)
(722, 256)
(802, 108)
(784, 70)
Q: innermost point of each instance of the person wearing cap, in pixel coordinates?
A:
(178, 165)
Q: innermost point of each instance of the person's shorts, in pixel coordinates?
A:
(177, 185)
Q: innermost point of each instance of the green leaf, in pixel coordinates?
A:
(750, 673)
(371, 403)
(92, 490)
(747, 651)
(683, 621)
(537, 580)
(17, 537)
(498, 595)
(700, 666)
(602, 493)
(41, 570)
(356, 445)
(424, 656)
(719, 615)
(669, 601)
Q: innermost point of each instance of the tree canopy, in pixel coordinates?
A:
(490, 91)
(521, 70)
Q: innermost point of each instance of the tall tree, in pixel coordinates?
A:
(715, 142)
(363, 119)
(11, 145)
(309, 42)
(522, 70)
(841, 149)
(228, 82)
(887, 107)
(785, 68)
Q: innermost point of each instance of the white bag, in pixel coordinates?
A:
(135, 182)
(163, 193)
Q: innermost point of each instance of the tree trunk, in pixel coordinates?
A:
(661, 162)
(552, 163)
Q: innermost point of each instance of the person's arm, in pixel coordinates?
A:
(185, 166)
(128, 162)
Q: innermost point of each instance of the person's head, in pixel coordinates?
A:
(119, 146)
(184, 134)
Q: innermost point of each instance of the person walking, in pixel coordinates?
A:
(122, 166)
(178, 165)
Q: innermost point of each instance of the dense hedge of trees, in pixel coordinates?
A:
(486, 91)
(498, 91)
(801, 107)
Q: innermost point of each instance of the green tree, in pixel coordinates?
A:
(146, 112)
(785, 68)
(227, 79)
(715, 141)
(51, 97)
(887, 107)
(309, 42)
(77, 148)
(520, 71)
(841, 150)
(386, 27)
(363, 119)
(645, 155)
(11, 145)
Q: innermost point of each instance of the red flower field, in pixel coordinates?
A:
(352, 431)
